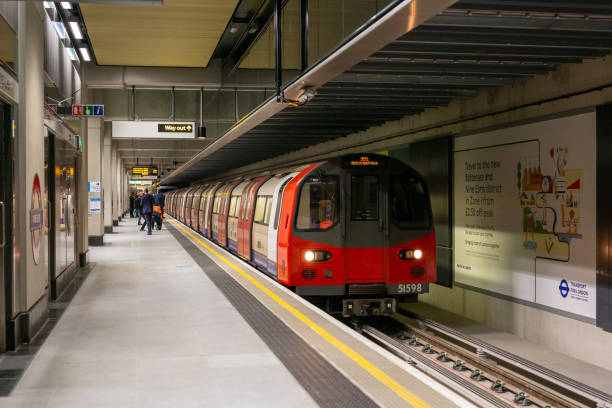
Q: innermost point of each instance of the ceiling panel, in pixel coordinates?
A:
(180, 33)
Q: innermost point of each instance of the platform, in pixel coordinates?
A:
(170, 320)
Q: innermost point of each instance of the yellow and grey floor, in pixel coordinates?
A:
(170, 320)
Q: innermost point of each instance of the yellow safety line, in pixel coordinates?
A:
(415, 401)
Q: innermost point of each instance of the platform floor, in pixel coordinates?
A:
(169, 320)
(149, 329)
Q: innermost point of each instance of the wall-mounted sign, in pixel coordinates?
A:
(95, 204)
(87, 110)
(144, 171)
(134, 129)
(525, 212)
(94, 187)
(175, 128)
(36, 219)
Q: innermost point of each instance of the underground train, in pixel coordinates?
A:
(354, 234)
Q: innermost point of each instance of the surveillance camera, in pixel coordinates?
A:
(306, 94)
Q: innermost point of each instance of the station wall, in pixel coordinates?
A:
(523, 240)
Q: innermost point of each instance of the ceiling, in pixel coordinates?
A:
(180, 33)
(472, 45)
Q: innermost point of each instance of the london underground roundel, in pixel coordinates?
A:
(36, 219)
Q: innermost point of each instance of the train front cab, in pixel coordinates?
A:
(361, 236)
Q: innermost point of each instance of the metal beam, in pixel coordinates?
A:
(383, 29)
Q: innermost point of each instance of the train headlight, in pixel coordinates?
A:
(418, 254)
(309, 256)
(410, 254)
(317, 255)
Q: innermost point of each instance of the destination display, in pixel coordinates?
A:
(138, 172)
(524, 211)
(364, 161)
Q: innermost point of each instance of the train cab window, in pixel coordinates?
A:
(364, 198)
(318, 204)
(409, 203)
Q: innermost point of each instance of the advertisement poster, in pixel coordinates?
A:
(524, 212)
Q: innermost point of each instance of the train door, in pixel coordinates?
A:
(365, 254)
(246, 221)
(6, 237)
(277, 201)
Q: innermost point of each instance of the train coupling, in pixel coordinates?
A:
(368, 307)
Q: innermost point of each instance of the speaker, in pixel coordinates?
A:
(201, 131)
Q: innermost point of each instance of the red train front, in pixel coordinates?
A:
(354, 234)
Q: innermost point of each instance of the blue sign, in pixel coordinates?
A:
(98, 110)
(564, 288)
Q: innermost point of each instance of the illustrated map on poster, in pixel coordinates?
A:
(524, 211)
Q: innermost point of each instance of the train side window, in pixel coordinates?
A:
(233, 201)
(268, 209)
(318, 204)
(364, 198)
(216, 204)
(409, 203)
(260, 209)
(249, 203)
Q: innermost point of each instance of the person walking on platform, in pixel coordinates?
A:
(158, 208)
(146, 206)
(137, 207)
(132, 202)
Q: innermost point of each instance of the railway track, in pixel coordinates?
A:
(485, 374)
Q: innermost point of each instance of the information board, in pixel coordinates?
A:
(524, 211)
(144, 171)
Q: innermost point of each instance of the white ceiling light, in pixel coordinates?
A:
(66, 5)
(85, 54)
(72, 54)
(61, 30)
(48, 4)
(76, 30)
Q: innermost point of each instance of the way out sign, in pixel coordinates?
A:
(87, 110)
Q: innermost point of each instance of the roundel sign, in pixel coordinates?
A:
(36, 219)
(564, 288)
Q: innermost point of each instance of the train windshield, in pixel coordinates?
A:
(318, 203)
(409, 203)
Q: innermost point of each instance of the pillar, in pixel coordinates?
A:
(32, 274)
(114, 166)
(107, 187)
(95, 149)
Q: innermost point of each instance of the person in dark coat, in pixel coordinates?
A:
(159, 201)
(137, 207)
(132, 203)
(146, 206)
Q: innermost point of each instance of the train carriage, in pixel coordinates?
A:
(354, 232)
